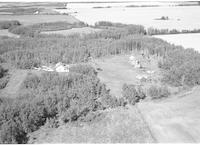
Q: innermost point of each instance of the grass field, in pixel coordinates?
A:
(117, 70)
(175, 119)
(81, 31)
(34, 19)
(119, 126)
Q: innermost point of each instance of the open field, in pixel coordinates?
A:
(121, 125)
(116, 70)
(81, 31)
(185, 40)
(34, 19)
(176, 119)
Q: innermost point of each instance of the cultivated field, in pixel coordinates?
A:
(34, 19)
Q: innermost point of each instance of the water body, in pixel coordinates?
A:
(191, 40)
(180, 17)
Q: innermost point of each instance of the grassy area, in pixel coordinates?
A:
(120, 125)
(21, 11)
(35, 19)
(78, 31)
(175, 119)
(51, 26)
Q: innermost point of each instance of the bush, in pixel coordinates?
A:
(3, 82)
(51, 123)
(4, 78)
(3, 72)
(131, 94)
(158, 92)
(181, 67)
(9, 24)
(12, 132)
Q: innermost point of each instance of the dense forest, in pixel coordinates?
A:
(52, 99)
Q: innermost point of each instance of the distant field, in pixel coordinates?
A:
(34, 19)
(84, 30)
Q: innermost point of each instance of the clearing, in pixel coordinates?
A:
(81, 31)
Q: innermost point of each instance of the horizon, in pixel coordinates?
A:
(97, 1)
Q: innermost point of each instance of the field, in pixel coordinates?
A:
(120, 126)
(34, 19)
(81, 31)
(117, 71)
(176, 119)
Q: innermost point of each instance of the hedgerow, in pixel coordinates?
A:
(132, 93)
(158, 92)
